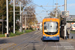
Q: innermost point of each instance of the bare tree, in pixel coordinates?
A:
(54, 12)
(24, 2)
(31, 17)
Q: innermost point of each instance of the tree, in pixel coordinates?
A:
(24, 2)
(31, 17)
(2, 9)
(3, 12)
(11, 16)
(52, 14)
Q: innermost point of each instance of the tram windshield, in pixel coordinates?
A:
(50, 27)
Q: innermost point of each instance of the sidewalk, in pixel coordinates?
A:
(68, 40)
(6, 45)
(5, 37)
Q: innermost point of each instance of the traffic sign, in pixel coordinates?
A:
(65, 14)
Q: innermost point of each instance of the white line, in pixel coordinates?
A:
(57, 46)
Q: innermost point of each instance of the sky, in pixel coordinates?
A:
(47, 7)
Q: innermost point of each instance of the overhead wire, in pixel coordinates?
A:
(53, 4)
(39, 6)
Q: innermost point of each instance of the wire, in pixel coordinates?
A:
(39, 6)
(53, 4)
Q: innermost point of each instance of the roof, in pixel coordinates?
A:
(70, 21)
(51, 17)
(70, 18)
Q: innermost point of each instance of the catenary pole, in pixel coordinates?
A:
(2, 24)
(20, 19)
(13, 16)
(25, 22)
(7, 16)
(56, 11)
(65, 9)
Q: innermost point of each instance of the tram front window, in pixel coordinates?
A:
(50, 28)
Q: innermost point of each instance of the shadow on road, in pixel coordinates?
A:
(33, 45)
(3, 41)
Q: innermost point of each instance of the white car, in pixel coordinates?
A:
(72, 26)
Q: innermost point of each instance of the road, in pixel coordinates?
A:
(32, 41)
(72, 35)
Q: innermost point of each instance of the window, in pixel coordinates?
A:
(51, 27)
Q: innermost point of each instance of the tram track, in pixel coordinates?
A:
(31, 42)
(34, 35)
(45, 45)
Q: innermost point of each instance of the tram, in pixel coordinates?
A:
(51, 29)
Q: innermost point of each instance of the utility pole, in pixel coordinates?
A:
(65, 6)
(20, 19)
(65, 9)
(2, 24)
(56, 9)
(34, 24)
(13, 16)
(7, 16)
(25, 22)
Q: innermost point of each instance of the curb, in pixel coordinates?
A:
(13, 36)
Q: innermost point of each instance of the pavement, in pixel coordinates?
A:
(6, 45)
(33, 41)
(72, 35)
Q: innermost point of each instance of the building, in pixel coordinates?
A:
(71, 18)
(39, 26)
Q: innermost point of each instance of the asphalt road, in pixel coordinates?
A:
(72, 36)
(33, 41)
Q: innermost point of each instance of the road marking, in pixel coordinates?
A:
(45, 46)
(66, 45)
(57, 46)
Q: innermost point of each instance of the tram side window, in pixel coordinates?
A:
(57, 24)
(44, 22)
(45, 28)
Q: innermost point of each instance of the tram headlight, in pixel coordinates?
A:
(45, 30)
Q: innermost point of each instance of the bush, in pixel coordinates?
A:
(27, 31)
(2, 35)
(16, 33)
(30, 28)
(11, 34)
